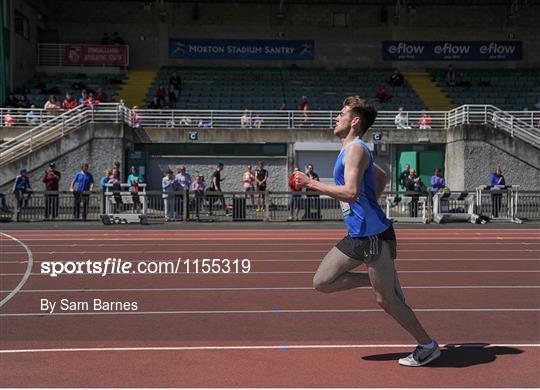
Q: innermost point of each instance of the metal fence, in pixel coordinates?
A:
(263, 206)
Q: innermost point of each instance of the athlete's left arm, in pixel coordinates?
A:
(356, 161)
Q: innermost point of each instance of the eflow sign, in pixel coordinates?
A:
(452, 50)
(241, 49)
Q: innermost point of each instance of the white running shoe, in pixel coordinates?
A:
(421, 356)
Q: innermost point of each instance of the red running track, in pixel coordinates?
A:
(477, 292)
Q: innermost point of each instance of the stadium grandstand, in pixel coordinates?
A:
(159, 84)
(185, 184)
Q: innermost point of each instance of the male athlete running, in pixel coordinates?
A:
(371, 238)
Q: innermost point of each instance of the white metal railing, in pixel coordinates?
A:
(25, 117)
(270, 119)
(80, 54)
(57, 125)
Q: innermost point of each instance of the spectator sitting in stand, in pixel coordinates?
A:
(161, 93)
(117, 39)
(52, 106)
(245, 119)
(31, 117)
(401, 120)
(424, 123)
(396, 80)
(105, 39)
(136, 120)
(101, 95)
(155, 104)
(283, 106)
(167, 103)
(8, 119)
(91, 102)
(382, 94)
(23, 102)
(69, 102)
(437, 181)
(84, 96)
(11, 101)
(257, 122)
(450, 76)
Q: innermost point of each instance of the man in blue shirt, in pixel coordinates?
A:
(82, 183)
(371, 239)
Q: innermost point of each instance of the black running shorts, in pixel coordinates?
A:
(369, 248)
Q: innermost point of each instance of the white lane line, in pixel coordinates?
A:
(270, 251)
(275, 311)
(258, 245)
(318, 260)
(136, 273)
(26, 274)
(254, 347)
(173, 289)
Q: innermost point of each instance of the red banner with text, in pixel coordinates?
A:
(95, 54)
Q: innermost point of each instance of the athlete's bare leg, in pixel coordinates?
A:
(383, 276)
(333, 273)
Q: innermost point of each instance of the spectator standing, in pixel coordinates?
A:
(51, 178)
(134, 180)
(82, 183)
(182, 183)
(414, 186)
(31, 117)
(261, 178)
(167, 184)
(497, 180)
(216, 187)
(295, 198)
(248, 180)
(396, 80)
(161, 93)
(450, 76)
(312, 201)
(402, 119)
(69, 102)
(198, 187)
(22, 191)
(175, 85)
(404, 176)
(136, 120)
(424, 123)
(103, 181)
(303, 105)
(437, 181)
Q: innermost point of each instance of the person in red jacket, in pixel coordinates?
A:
(51, 178)
(424, 123)
(69, 102)
(295, 198)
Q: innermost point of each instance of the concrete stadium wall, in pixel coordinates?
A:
(357, 45)
(473, 153)
(99, 145)
(24, 51)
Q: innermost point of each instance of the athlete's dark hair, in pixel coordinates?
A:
(362, 108)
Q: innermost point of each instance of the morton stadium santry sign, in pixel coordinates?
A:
(452, 50)
(240, 49)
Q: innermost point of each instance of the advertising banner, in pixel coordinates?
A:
(452, 50)
(95, 54)
(241, 49)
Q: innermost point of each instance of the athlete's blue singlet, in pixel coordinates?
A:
(364, 217)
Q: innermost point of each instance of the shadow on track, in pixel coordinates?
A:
(457, 355)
